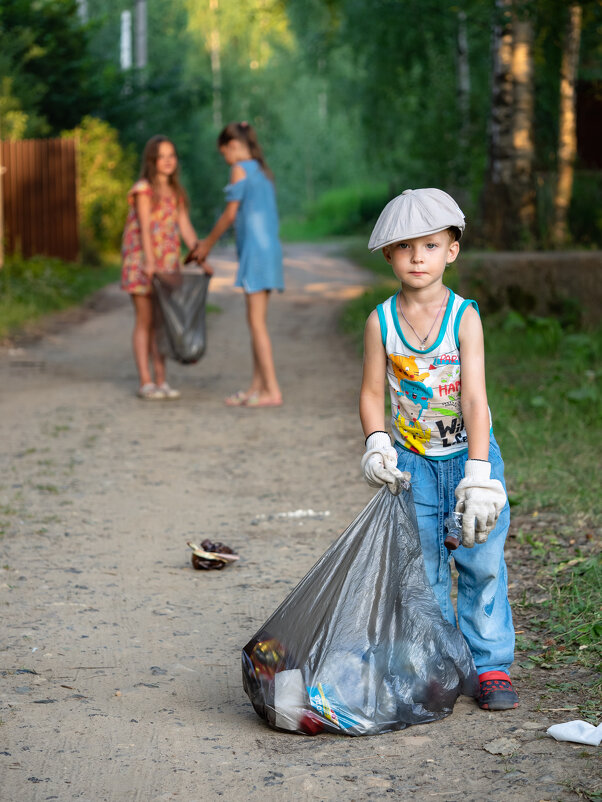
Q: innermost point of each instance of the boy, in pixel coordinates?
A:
(428, 342)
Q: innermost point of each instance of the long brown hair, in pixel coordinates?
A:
(245, 133)
(148, 168)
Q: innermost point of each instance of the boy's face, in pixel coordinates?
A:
(420, 261)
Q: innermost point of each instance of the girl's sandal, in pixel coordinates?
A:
(169, 393)
(255, 402)
(237, 399)
(150, 392)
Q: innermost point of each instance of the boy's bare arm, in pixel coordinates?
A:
(372, 392)
(474, 392)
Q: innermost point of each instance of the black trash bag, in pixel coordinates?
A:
(179, 303)
(360, 646)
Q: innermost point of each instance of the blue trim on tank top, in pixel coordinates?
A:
(463, 306)
(383, 323)
(443, 327)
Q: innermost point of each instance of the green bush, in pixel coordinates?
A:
(30, 288)
(106, 172)
(341, 211)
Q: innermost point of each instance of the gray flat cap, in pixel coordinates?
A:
(416, 213)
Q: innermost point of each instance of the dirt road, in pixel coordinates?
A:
(120, 665)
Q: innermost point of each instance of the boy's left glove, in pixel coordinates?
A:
(480, 499)
(379, 464)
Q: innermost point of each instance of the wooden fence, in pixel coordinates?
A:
(39, 194)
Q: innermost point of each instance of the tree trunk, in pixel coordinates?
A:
(216, 66)
(522, 126)
(567, 134)
(141, 34)
(509, 198)
(463, 95)
(496, 198)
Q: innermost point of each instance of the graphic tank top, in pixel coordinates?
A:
(425, 385)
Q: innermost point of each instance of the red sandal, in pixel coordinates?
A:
(496, 692)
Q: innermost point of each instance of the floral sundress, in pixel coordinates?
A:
(165, 238)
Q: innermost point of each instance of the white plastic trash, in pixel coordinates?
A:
(578, 731)
(289, 699)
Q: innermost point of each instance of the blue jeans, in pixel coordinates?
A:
(484, 614)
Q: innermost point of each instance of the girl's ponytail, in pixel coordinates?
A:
(245, 132)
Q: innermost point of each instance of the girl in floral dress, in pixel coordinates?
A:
(157, 218)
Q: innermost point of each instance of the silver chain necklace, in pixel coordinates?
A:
(423, 340)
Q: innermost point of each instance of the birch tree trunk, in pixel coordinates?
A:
(567, 134)
(509, 196)
(216, 66)
(463, 96)
(497, 198)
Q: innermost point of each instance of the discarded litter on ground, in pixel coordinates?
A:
(360, 646)
(211, 555)
(578, 731)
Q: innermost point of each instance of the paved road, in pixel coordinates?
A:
(120, 665)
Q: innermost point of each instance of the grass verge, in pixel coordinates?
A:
(31, 288)
(545, 393)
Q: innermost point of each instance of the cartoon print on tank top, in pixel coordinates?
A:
(424, 407)
(405, 367)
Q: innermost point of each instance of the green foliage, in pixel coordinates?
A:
(545, 393)
(45, 52)
(345, 210)
(30, 288)
(568, 621)
(106, 172)
(343, 93)
(576, 603)
(13, 119)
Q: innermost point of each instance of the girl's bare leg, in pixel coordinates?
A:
(264, 373)
(142, 336)
(157, 359)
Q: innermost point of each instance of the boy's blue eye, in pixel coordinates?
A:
(431, 245)
(402, 245)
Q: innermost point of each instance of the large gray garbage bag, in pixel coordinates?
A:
(179, 303)
(360, 646)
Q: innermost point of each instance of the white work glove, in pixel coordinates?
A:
(480, 500)
(379, 464)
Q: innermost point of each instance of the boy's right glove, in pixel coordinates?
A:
(481, 501)
(379, 464)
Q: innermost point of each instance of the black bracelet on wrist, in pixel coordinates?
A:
(474, 459)
(378, 431)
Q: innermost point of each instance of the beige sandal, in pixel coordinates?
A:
(150, 392)
(168, 392)
(237, 399)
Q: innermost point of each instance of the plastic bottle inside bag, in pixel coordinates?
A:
(453, 527)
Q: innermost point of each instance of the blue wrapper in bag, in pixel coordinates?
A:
(360, 646)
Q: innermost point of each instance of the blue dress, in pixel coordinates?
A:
(256, 226)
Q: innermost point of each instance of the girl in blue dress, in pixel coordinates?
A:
(251, 208)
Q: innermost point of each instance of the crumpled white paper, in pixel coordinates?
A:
(580, 732)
